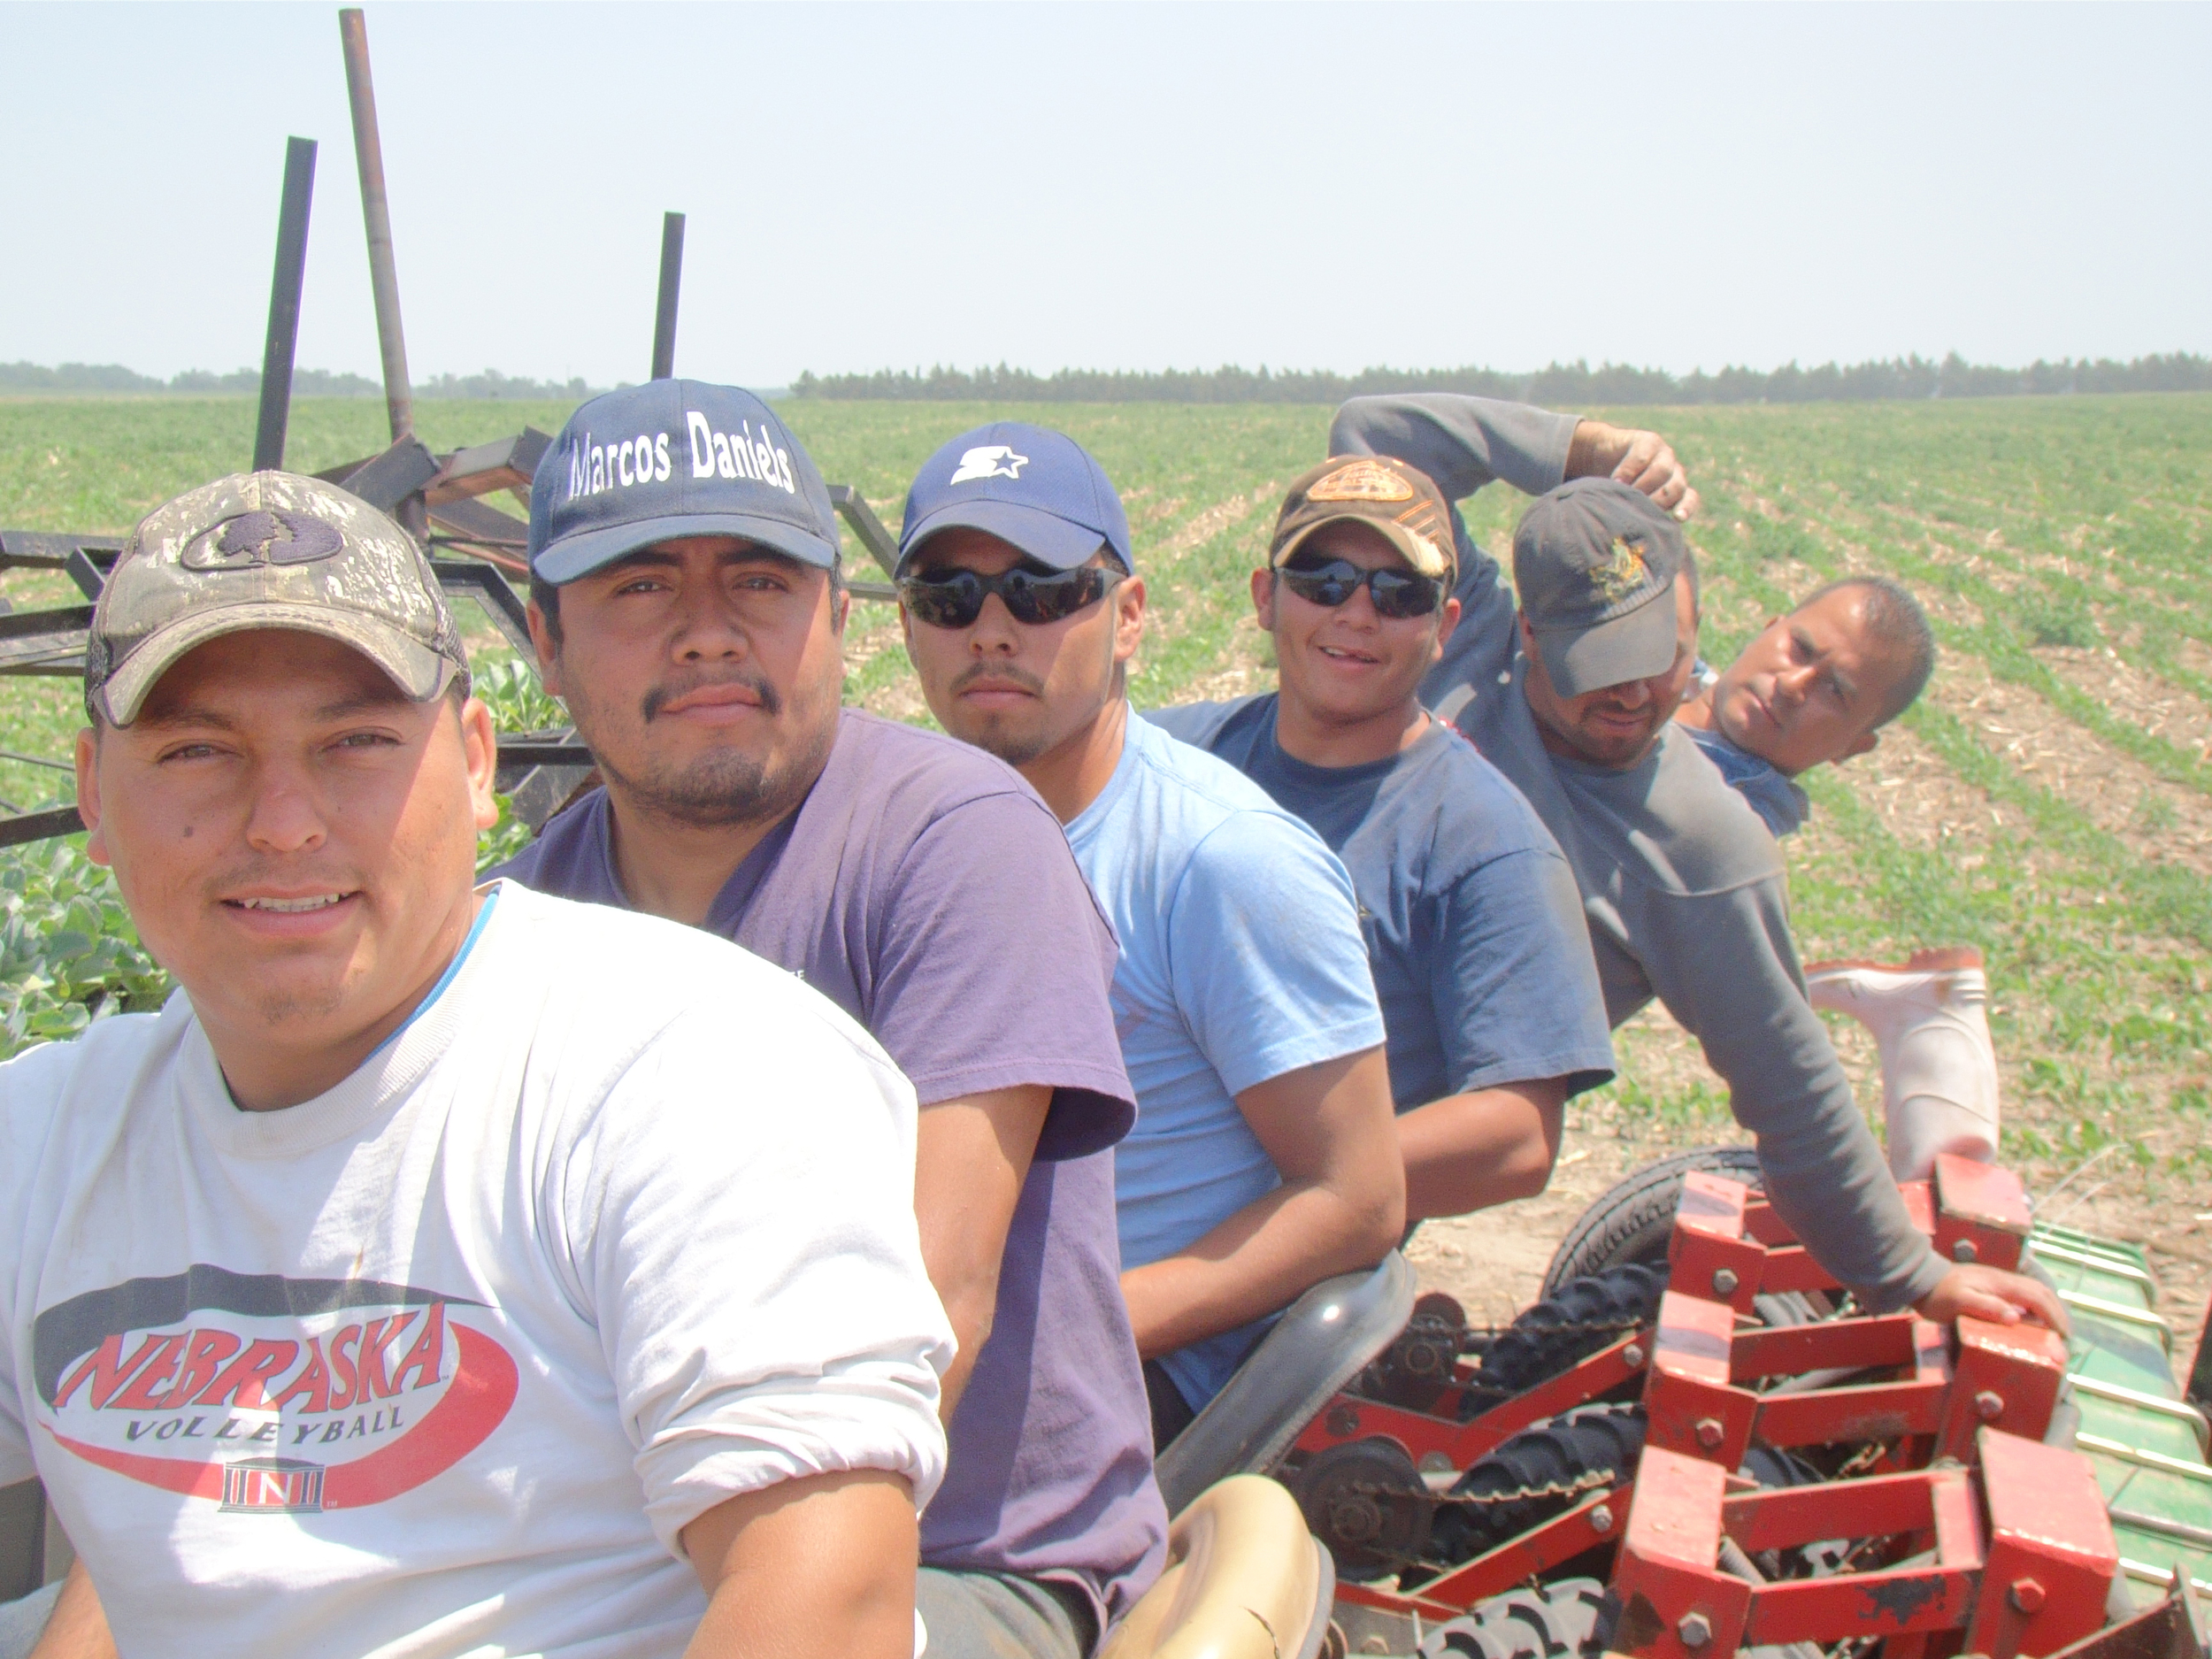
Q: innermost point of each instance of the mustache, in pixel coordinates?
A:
(661, 696)
(1001, 671)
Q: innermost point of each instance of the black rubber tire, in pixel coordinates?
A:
(1535, 1346)
(1632, 1222)
(1585, 1440)
(1552, 1621)
(1588, 1439)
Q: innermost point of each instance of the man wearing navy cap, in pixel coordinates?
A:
(687, 603)
(1262, 1160)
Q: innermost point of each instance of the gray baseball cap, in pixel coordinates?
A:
(266, 550)
(1594, 564)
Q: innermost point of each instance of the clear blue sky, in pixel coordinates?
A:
(1125, 187)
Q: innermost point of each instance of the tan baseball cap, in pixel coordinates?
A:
(1400, 501)
(266, 550)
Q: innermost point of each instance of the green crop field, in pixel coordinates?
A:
(2050, 799)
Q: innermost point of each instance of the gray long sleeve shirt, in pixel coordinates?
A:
(1682, 886)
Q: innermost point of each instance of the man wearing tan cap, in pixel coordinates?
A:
(423, 1279)
(1491, 1007)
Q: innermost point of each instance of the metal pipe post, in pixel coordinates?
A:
(671, 280)
(284, 305)
(368, 150)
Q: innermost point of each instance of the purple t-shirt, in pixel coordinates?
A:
(925, 888)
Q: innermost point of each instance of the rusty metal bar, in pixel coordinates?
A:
(376, 215)
(278, 350)
(664, 310)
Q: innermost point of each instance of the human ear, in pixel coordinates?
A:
(1263, 599)
(479, 745)
(96, 845)
(1448, 624)
(1864, 746)
(1128, 618)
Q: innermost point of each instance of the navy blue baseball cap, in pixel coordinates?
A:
(1035, 487)
(674, 458)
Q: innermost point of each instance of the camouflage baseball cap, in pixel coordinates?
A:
(1401, 502)
(1594, 563)
(266, 550)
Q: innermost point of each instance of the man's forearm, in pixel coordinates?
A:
(1257, 1261)
(1490, 1146)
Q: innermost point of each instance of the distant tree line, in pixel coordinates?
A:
(1561, 384)
(113, 377)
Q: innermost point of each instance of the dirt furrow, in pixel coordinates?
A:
(2159, 708)
(2162, 821)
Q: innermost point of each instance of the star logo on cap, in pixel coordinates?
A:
(1619, 576)
(988, 460)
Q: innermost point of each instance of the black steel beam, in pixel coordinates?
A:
(89, 578)
(543, 752)
(853, 507)
(486, 526)
(483, 468)
(50, 549)
(507, 610)
(284, 305)
(376, 217)
(664, 307)
(60, 621)
(387, 480)
(39, 826)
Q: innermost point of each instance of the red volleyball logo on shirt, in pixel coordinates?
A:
(271, 1395)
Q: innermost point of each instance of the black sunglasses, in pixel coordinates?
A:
(953, 598)
(1330, 582)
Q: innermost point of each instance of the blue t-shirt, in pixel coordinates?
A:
(1774, 795)
(924, 888)
(1473, 919)
(1240, 960)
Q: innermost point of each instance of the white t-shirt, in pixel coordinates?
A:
(619, 1226)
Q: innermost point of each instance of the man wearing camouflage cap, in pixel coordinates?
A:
(1490, 1002)
(411, 1283)
(1682, 886)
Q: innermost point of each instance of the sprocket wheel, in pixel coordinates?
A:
(1367, 1502)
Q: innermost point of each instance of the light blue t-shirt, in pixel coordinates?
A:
(1241, 958)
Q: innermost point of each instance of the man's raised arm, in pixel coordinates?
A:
(1464, 443)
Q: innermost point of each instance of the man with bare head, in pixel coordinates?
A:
(1815, 686)
(422, 1279)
